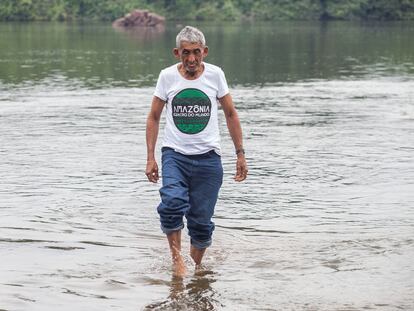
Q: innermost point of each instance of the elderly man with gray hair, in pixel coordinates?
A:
(192, 172)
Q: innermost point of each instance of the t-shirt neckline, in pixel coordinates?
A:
(179, 73)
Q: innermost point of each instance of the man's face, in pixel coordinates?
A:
(191, 56)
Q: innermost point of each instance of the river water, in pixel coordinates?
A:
(325, 220)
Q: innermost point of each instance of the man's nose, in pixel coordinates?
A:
(191, 57)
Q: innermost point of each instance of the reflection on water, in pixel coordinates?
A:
(251, 54)
(196, 295)
(142, 34)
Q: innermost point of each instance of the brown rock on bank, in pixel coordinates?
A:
(139, 18)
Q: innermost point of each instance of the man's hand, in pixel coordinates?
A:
(241, 168)
(233, 124)
(153, 122)
(152, 171)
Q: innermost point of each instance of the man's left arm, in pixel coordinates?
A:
(233, 124)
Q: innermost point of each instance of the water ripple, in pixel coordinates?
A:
(326, 210)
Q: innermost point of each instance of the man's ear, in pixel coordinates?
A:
(205, 51)
(176, 53)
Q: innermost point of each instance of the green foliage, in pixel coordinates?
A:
(225, 10)
(337, 9)
(31, 9)
(388, 9)
(229, 11)
(285, 9)
(208, 10)
(183, 9)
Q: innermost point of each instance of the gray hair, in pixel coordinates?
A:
(190, 34)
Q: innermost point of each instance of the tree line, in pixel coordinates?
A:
(232, 10)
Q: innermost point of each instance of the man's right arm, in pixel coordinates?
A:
(153, 123)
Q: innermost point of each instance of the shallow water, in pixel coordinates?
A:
(325, 220)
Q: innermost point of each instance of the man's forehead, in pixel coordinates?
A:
(190, 45)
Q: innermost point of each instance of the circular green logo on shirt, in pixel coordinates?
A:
(191, 110)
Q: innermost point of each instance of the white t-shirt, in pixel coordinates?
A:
(191, 109)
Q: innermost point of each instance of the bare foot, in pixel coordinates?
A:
(197, 254)
(202, 271)
(179, 269)
(199, 270)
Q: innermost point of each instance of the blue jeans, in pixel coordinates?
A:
(190, 187)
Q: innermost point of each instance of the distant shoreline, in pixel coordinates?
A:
(216, 10)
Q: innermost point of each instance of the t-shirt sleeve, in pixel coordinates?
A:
(223, 88)
(160, 89)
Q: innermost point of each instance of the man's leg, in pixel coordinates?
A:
(174, 204)
(204, 187)
(174, 240)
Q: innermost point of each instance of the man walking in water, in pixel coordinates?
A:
(192, 173)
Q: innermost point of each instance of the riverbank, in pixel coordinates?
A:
(230, 10)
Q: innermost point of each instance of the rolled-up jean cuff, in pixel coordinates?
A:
(168, 231)
(199, 244)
